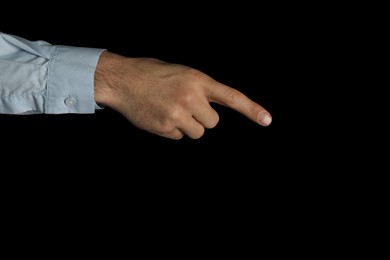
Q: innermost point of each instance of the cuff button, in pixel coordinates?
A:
(70, 102)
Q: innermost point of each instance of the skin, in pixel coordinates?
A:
(169, 100)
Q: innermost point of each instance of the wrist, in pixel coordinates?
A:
(107, 78)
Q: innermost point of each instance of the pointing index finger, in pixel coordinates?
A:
(236, 100)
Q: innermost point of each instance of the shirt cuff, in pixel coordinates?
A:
(70, 83)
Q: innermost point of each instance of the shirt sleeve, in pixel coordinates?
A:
(37, 77)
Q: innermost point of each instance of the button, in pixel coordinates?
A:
(70, 102)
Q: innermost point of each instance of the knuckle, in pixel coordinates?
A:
(193, 75)
(166, 128)
(176, 136)
(196, 78)
(214, 122)
(169, 121)
(173, 115)
(198, 134)
(186, 98)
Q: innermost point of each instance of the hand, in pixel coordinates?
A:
(168, 100)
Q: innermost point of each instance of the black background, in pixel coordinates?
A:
(239, 179)
(246, 48)
(255, 49)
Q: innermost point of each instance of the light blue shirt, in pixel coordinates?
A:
(37, 77)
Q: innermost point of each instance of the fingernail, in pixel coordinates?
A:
(265, 119)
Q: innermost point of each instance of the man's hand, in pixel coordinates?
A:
(166, 99)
